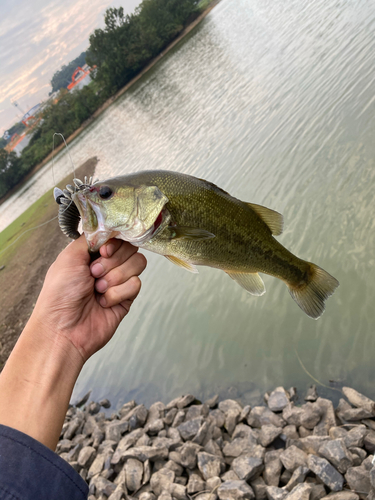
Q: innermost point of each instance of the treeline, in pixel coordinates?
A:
(63, 77)
(119, 51)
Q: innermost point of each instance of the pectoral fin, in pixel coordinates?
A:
(182, 263)
(251, 282)
(189, 233)
(274, 220)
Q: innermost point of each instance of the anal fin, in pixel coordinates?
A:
(182, 263)
(251, 282)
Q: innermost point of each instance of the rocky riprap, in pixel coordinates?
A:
(187, 449)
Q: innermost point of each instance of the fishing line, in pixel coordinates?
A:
(53, 155)
(311, 376)
(54, 181)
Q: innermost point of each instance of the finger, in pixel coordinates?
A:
(109, 248)
(134, 266)
(103, 265)
(121, 293)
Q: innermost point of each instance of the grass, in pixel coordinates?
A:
(20, 228)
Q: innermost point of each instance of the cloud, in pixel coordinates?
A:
(37, 38)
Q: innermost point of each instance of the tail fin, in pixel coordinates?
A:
(311, 295)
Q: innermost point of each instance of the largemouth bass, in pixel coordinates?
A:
(193, 223)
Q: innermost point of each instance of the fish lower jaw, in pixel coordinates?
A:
(99, 238)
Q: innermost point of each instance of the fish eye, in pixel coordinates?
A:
(105, 192)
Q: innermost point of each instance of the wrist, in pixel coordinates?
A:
(37, 382)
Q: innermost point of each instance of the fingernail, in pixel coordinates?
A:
(101, 285)
(110, 249)
(103, 302)
(97, 270)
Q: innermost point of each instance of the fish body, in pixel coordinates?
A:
(193, 222)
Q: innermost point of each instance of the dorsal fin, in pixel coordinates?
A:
(274, 220)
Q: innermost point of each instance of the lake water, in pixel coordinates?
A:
(274, 102)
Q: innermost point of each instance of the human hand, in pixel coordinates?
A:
(84, 303)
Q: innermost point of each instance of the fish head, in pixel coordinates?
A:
(112, 209)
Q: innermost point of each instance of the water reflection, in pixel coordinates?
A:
(274, 103)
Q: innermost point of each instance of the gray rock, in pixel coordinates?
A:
(73, 427)
(165, 495)
(369, 441)
(312, 413)
(328, 418)
(342, 495)
(114, 430)
(105, 403)
(230, 404)
(244, 431)
(292, 414)
(161, 481)
(239, 446)
(275, 493)
(356, 436)
(235, 490)
(179, 418)
(188, 455)
(201, 434)
(268, 434)
(86, 456)
(206, 496)
(125, 443)
(245, 413)
(213, 448)
(372, 477)
(337, 454)
(300, 492)
(155, 426)
(260, 415)
(278, 399)
(97, 466)
(326, 472)
(369, 423)
(303, 432)
(118, 494)
(93, 408)
(178, 491)
(196, 411)
(272, 469)
(102, 486)
(74, 452)
(195, 484)
(83, 400)
(359, 400)
(289, 432)
(358, 455)
(318, 491)
(212, 402)
(358, 479)
(209, 465)
(144, 453)
(218, 417)
(247, 467)
(146, 472)
(64, 445)
(126, 408)
(259, 488)
(170, 416)
(232, 417)
(311, 394)
(292, 458)
(298, 477)
(180, 402)
(229, 476)
(213, 483)
(133, 473)
(309, 444)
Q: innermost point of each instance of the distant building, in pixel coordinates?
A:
(80, 77)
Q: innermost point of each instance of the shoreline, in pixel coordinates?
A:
(287, 448)
(110, 100)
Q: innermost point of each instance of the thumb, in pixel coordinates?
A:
(77, 251)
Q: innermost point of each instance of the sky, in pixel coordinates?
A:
(37, 37)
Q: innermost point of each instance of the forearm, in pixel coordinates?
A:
(37, 382)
